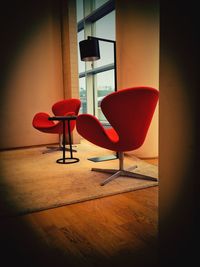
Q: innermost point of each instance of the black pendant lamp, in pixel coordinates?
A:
(89, 49)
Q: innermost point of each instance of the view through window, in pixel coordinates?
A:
(96, 79)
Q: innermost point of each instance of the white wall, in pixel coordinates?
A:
(137, 38)
(34, 78)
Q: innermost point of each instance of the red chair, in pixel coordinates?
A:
(129, 111)
(65, 107)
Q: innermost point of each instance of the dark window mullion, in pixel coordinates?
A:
(97, 14)
(97, 70)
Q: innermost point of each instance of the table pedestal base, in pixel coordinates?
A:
(70, 159)
(67, 160)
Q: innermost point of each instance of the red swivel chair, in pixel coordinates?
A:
(129, 111)
(65, 107)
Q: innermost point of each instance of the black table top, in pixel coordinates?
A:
(62, 118)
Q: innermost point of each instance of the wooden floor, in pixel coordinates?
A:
(119, 230)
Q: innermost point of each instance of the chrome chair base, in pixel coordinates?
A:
(127, 173)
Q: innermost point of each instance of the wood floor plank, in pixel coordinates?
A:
(118, 230)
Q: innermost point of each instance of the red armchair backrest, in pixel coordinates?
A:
(64, 106)
(130, 112)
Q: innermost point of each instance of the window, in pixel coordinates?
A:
(96, 79)
(81, 64)
(83, 95)
(99, 3)
(105, 28)
(105, 86)
(79, 10)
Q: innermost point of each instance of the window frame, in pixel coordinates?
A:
(87, 24)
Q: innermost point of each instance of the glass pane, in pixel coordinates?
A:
(79, 10)
(83, 95)
(105, 28)
(81, 64)
(106, 54)
(99, 3)
(105, 86)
